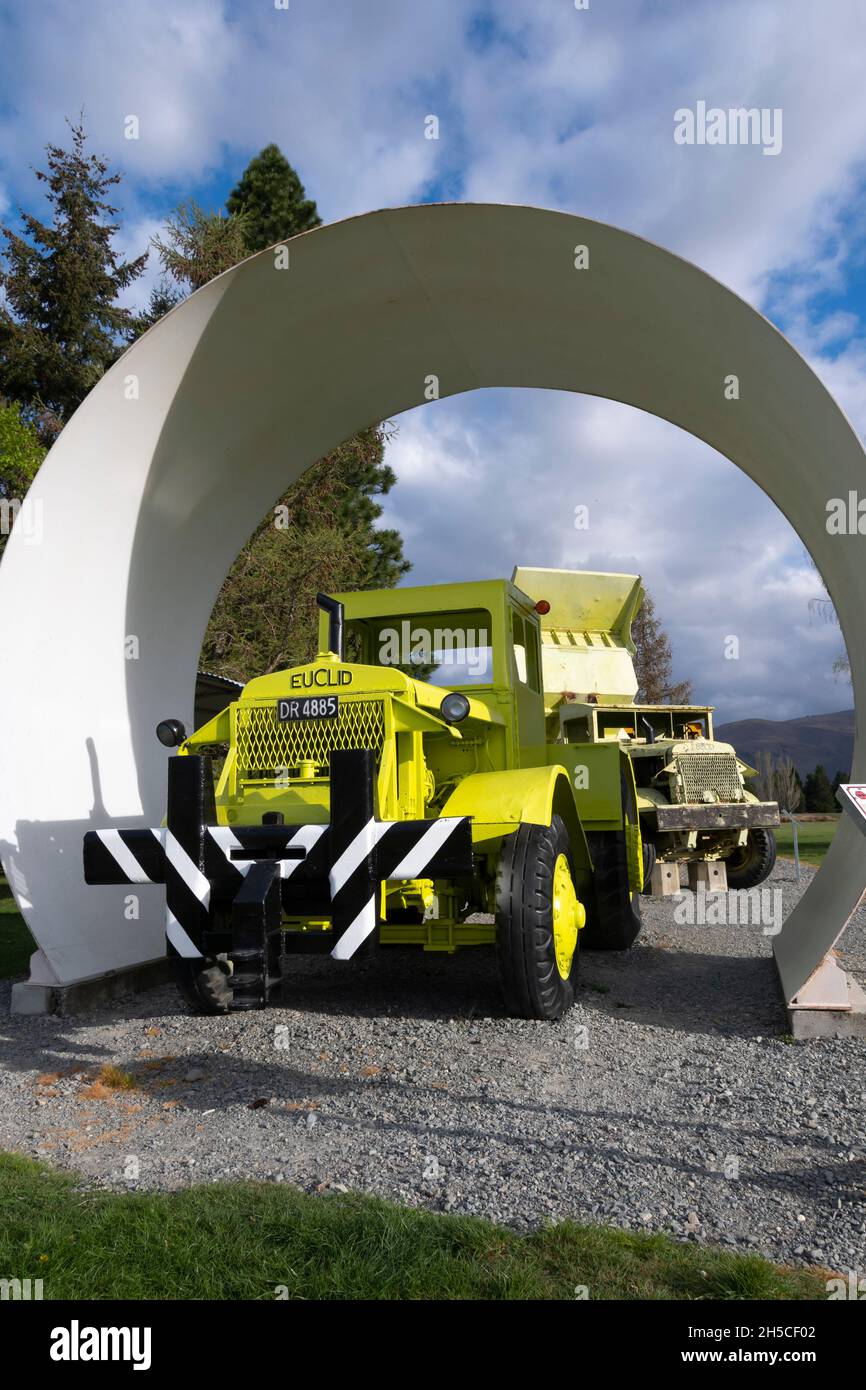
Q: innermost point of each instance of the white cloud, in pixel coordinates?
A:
(115, 61)
(492, 480)
(537, 104)
(131, 241)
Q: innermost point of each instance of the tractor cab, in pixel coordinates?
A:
(480, 638)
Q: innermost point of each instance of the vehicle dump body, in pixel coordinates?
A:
(692, 798)
(586, 632)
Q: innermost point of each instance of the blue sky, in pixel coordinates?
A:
(545, 104)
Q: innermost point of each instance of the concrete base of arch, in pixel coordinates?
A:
(35, 995)
(166, 468)
(830, 1005)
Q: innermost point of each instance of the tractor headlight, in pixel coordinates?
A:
(170, 732)
(454, 707)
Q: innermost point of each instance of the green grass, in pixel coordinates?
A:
(243, 1240)
(813, 836)
(16, 943)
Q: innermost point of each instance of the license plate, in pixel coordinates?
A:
(308, 707)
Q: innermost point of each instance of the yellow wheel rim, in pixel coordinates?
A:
(634, 857)
(569, 916)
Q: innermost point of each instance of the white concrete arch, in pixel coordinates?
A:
(168, 465)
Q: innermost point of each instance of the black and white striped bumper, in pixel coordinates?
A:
(332, 870)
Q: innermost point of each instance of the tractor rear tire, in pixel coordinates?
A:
(750, 865)
(205, 983)
(649, 863)
(532, 982)
(616, 922)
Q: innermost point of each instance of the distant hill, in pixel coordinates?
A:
(817, 738)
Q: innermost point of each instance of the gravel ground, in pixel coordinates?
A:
(671, 1098)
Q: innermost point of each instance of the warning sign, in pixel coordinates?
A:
(852, 796)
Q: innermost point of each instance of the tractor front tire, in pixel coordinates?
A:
(750, 864)
(538, 920)
(205, 983)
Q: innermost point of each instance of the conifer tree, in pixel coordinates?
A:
(653, 660)
(61, 325)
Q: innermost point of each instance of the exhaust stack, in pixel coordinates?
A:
(335, 623)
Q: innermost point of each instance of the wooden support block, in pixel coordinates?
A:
(709, 876)
(665, 880)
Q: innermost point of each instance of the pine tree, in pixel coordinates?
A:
(272, 200)
(265, 616)
(653, 660)
(164, 295)
(818, 792)
(200, 245)
(61, 326)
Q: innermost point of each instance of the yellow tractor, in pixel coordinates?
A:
(400, 789)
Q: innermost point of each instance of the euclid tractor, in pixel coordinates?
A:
(400, 789)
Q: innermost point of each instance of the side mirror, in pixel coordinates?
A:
(170, 733)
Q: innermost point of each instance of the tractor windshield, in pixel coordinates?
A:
(448, 649)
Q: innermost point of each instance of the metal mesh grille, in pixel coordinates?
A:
(715, 772)
(267, 746)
